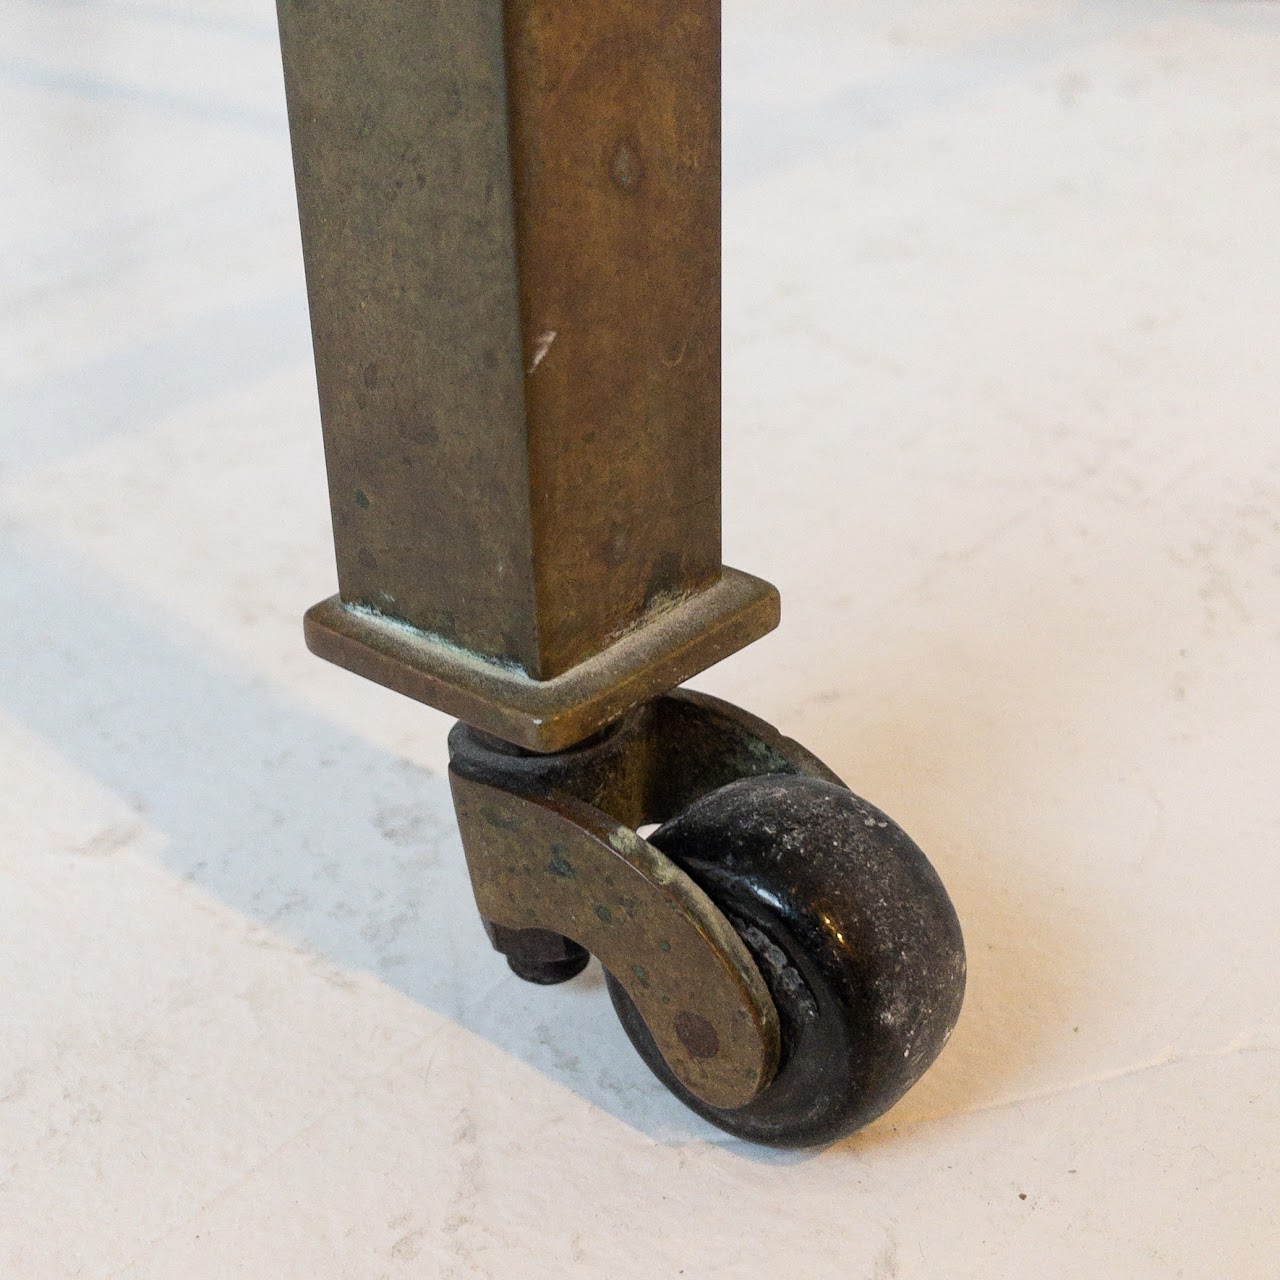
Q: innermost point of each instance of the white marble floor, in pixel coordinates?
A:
(1002, 387)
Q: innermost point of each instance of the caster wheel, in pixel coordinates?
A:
(852, 931)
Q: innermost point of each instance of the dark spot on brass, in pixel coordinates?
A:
(369, 374)
(367, 558)
(605, 915)
(362, 500)
(674, 352)
(697, 1034)
(664, 945)
(641, 972)
(496, 818)
(561, 866)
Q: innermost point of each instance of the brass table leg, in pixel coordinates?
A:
(511, 223)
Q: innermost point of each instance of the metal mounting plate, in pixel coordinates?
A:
(548, 715)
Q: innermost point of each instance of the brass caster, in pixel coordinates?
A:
(781, 954)
(511, 222)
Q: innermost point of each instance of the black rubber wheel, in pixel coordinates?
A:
(854, 934)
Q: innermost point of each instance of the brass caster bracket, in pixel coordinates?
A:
(555, 861)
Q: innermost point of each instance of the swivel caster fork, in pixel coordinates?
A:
(780, 953)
